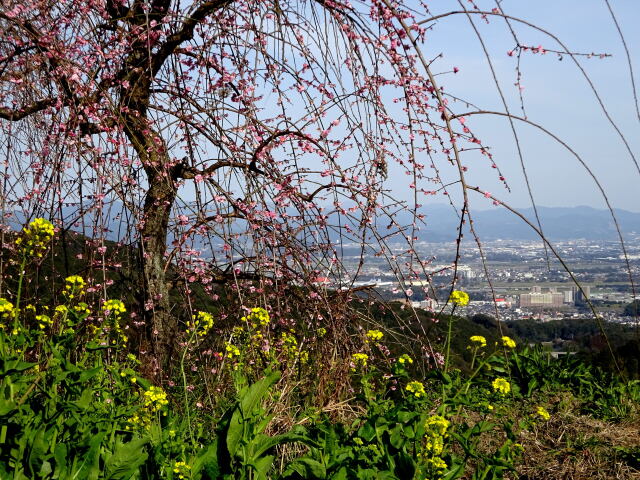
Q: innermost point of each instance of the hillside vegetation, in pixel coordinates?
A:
(252, 397)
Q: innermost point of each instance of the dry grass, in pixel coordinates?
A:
(578, 447)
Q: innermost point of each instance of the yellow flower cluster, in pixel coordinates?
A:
(290, 347)
(542, 413)
(155, 399)
(231, 350)
(200, 323)
(375, 335)
(44, 321)
(405, 359)
(36, 237)
(508, 342)
(359, 360)
(140, 420)
(416, 388)
(501, 386)
(257, 316)
(74, 285)
(6, 307)
(114, 307)
(435, 432)
(181, 470)
(478, 341)
(81, 309)
(459, 298)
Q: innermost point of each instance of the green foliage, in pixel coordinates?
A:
(242, 450)
(73, 403)
(603, 394)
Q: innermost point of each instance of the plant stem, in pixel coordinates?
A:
(446, 358)
(184, 384)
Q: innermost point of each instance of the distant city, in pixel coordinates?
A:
(525, 282)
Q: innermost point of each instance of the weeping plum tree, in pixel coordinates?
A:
(241, 140)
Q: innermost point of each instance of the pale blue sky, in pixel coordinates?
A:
(555, 94)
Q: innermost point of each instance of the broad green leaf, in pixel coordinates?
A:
(89, 467)
(60, 455)
(14, 366)
(264, 443)
(6, 407)
(262, 466)
(89, 374)
(207, 460)
(307, 468)
(249, 400)
(126, 459)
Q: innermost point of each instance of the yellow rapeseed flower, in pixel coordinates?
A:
(155, 398)
(437, 424)
(43, 321)
(375, 335)
(479, 340)
(257, 317)
(182, 470)
(74, 285)
(231, 350)
(200, 323)
(542, 413)
(459, 298)
(508, 342)
(404, 358)
(359, 360)
(501, 386)
(416, 388)
(36, 237)
(114, 307)
(6, 307)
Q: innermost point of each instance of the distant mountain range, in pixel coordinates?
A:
(558, 223)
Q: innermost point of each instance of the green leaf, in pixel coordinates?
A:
(89, 374)
(262, 466)
(265, 443)
(248, 402)
(367, 432)
(94, 346)
(126, 459)
(14, 366)
(6, 407)
(90, 466)
(38, 449)
(85, 399)
(254, 394)
(45, 469)
(307, 468)
(397, 438)
(60, 455)
(207, 461)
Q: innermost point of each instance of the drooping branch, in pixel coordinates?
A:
(18, 114)
(562, 262)
(186, 32)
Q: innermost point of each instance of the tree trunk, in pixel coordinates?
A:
(159, 200)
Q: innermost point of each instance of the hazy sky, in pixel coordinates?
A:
(556, 95)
